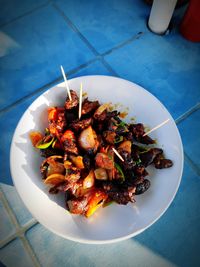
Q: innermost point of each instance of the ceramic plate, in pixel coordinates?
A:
(115, 222)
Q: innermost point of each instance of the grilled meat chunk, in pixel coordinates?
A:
(160, 162)
(69, 104)
(80, 125)
(89, 106)
(138, 131)
(148, 157)
(142, 187)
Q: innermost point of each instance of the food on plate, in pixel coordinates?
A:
(80, 159)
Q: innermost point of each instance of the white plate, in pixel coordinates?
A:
(115, 222)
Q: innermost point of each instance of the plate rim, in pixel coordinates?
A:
(97, 241)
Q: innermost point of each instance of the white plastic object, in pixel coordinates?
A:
(161, 14)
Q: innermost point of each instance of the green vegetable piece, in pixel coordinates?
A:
(138, 161)
(54, 142)
(122, 124)
(120, 171)
(44, 145)
(118, 139)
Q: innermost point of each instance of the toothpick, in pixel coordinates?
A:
(119, 156)
(66, 83)
(155, 128)
(80, 101)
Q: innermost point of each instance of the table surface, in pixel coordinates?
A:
(109, 38)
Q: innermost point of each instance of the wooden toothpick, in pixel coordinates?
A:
(119, 156)
(158, 126)
(80, 101)
(66, 83)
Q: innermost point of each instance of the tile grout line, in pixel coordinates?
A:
(187, 113)
(126, 42)
(192, 164)
(109, 68)
(25, 14)
(48, 85)
(84, 39)
(7, 240)
(73, 71)
(30, 251)
(20, 231)
(75, 29)
(9, 210)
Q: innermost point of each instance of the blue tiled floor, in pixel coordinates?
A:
(109, 38)
(190, 130)
(41, 42)
(176, 236)
(108, 25)
(164, 71)
(75, 254)
(11, 10)
(14, 254)
(6, 226)
(22, 214)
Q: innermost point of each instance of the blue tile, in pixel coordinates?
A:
(11, 118)
(190, 129)
(106, 23)
(16, 204)
(14, 255)
(11, 9)
(96, 68)
(176, 234)
(61, 252)
(35, 47)
(6, 226)
(167, 66)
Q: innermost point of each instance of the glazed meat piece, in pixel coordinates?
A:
(101, 113)
(148, 157)
(142, 187)
(50, 152)
(89, 106)
(104, 161)
(161, 163)
(77, 205)
(101, 117)
(73, 175)
(69, 142)
(57, 120)
(140, 171)
(138, 131)
(128, 163)
(61, 122)
(70, 147)
(109, 137)
(119, 195)
(80, 125)
(74, 102)
(135, 152)
(71, 115)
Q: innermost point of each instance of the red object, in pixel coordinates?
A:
(68, 134)
(190, 25)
